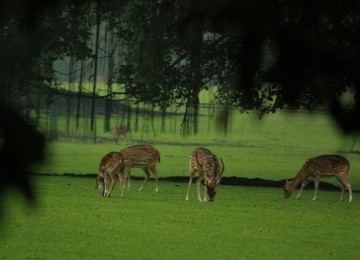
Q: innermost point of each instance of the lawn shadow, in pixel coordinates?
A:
(232, 181)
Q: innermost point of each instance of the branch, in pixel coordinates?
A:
(67, 74)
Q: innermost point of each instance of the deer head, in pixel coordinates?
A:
(213, 183)
(288, 188)
(100, 185)
(109, 166)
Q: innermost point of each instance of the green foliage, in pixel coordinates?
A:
(166, 52)
(72, 221)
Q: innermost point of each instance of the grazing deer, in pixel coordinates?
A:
(141, 156)
(210, 168)
(321, 166)
(110, 165)
(118, 131)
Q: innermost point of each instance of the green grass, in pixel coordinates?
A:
(273, 148)
(73, 222)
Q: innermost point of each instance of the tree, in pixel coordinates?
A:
(261, 54)
(268, 55)
(33, 34)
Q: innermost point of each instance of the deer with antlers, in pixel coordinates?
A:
(110, 166)
(317, 167)
(210, 169)
(141, 156)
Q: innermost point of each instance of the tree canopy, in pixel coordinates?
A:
(261, 55)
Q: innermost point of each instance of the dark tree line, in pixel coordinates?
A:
(261, 54)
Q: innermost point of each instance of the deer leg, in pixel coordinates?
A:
(121, 182)
(122, 177)
(128, 181)
(153, 170)
(147, 175)
(105, 184)
(192, 173)
(342, 186)
(113, 182)
(303, 184)
(206, 197)
(348, 186)
(189, 187)
(345, 183)
(198, 184)
(316, 186)
(205, 192)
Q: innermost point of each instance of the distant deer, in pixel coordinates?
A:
(110, 165)
(118, 131)
(210, 168)
(141, 156)
(321, 166)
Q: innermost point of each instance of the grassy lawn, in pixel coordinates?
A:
(71, 220)
(274, 148)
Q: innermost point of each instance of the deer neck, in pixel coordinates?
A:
(212, 177)
(209, 178)
(300, 177)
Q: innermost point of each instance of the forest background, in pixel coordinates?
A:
(85, 59)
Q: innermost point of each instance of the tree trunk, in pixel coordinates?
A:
(190, 120)
(78, 105)
(96, 54)
(108, 104)
(71, 81)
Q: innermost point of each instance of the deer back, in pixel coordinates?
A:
(110, 160)
(141, 155)
(109, 164)
(204, 160)
(326, 165)
(323, 165)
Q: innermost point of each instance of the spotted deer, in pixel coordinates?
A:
(141, 156)
(210, 169)
(110, 166)
(118, 131)
(317, 167)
